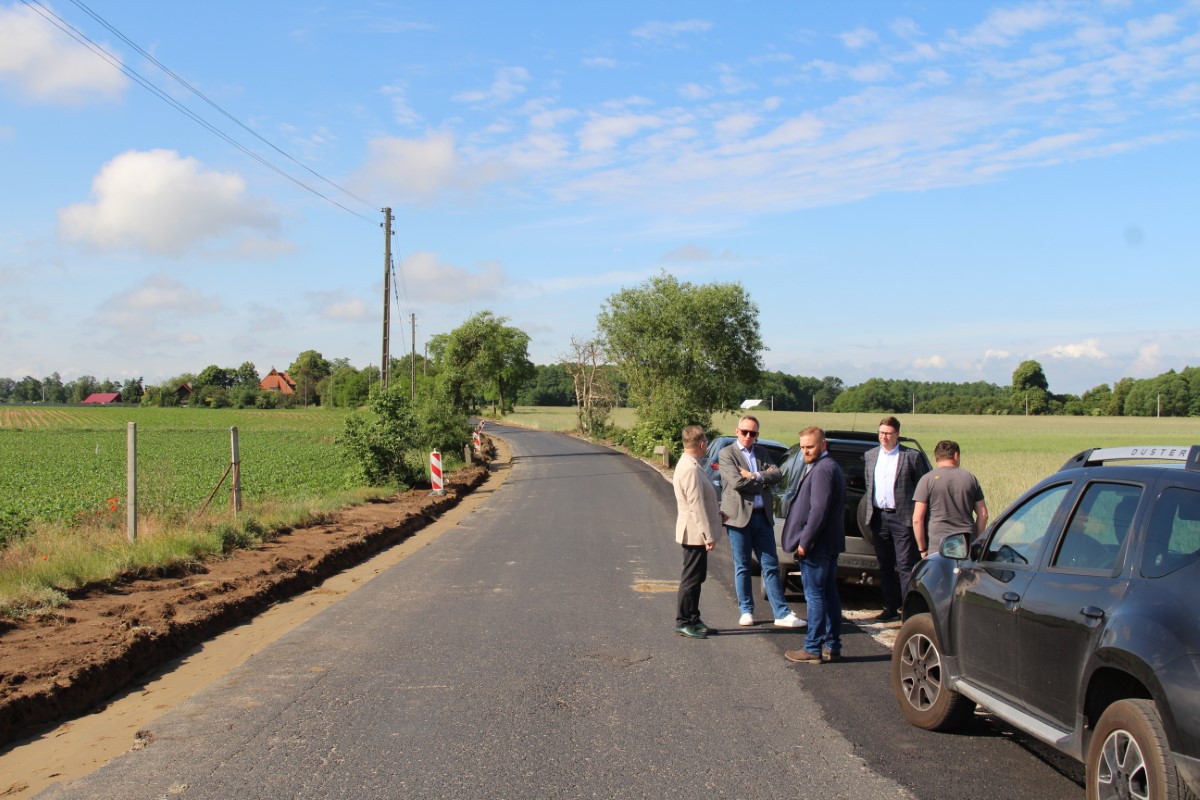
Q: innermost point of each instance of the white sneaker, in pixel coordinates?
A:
(790, 621)
(746, 619)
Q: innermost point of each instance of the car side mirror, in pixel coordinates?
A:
(954, 546)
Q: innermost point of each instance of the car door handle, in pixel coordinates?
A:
(1091, 612)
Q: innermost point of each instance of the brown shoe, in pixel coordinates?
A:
(828, 655)
(802, 657)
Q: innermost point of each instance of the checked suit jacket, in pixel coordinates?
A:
(738, 493)
(908, 472)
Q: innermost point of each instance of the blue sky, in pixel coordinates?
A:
(926, 190)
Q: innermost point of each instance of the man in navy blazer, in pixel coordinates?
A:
(815, 531)
(892, 471)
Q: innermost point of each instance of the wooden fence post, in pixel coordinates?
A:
(131, 481)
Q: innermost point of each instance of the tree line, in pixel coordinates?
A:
(1171, 394)
(663, 348)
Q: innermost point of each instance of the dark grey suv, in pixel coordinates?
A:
(858, 564)
(1074, 619)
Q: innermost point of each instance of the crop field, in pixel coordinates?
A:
(64, 464)
(1007, 454)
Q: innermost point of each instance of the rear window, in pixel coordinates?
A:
(1099, 526)
(1173, 540)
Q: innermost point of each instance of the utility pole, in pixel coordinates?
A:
(413, 377)
(385, 364)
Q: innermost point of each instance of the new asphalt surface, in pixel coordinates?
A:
(529, 652)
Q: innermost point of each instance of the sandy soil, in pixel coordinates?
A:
(111, 639)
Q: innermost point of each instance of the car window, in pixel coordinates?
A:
(1098, 527)
(791, 465)
(1173, 540)
(1018, 539)
(851, 462)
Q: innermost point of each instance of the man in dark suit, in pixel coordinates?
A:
(747, 476)
(892, 471)
(816, 532)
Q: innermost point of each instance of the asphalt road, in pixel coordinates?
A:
(529, 653)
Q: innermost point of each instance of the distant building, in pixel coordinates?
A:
(102, 398)
(278, 382)
(183, 393)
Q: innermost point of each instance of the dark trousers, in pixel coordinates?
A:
(896, 549)
(695, 570)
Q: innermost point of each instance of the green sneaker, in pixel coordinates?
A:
(691, 631)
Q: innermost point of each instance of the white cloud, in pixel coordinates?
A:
(420, 170)
(160, 202)
(996, 355)
(1148, 362)
(402, 112)
(1156, 27)
(1005, 24)
(336, 306)
(858, 38)
(657, 31)
(431, 280)
(871, 73)
(1088, 349)
(694, 254)
(158, 297)
(600, 62)
(735, 126)
(508, 84)
(45, 64)
(933, 362)
(604, 133)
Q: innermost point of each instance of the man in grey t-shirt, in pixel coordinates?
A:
(947, 500)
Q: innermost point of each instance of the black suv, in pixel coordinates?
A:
(1074, 619)
(858, 563)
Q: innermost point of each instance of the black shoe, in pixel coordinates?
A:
(887, 615)
(700, 626)
(691, 631)
(828, 655)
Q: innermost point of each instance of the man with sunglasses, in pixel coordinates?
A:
(747, 475)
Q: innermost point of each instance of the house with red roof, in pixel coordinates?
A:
(102, 398)
(278, 382)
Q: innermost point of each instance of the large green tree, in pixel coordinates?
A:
(308, 370)
(483, 359)
(1030, 389)
(685, 350)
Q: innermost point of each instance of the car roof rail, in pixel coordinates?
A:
(1188, 454)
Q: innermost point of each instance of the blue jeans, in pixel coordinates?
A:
(819, 574)
(757, 537)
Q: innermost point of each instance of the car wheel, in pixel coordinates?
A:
(919, 679)
(1128, 756)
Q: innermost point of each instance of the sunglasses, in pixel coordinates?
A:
(751, 434)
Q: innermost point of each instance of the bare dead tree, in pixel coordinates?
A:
(595, 394)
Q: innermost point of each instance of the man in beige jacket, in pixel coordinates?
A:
(696, 524)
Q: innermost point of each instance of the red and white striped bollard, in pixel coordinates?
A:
(435, 471)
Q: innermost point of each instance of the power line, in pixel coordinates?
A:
(83, 39)
(203, 97)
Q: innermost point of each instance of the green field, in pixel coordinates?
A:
(60, 463)
(64, 464)
(1007, 454)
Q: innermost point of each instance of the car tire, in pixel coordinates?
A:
(863, 516)
(919, 679)
(1128, 752)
